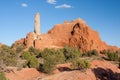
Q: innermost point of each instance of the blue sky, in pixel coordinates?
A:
(17, 17)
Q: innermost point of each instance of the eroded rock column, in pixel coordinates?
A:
(37, 24)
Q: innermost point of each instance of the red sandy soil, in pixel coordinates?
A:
(98, 68)
(24, 74)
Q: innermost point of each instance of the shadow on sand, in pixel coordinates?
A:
(105, 74)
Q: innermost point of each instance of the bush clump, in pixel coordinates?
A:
(80, 64)
(113, 56)
(85, 64)
(71, 53)
(2, 76)
(51, 58)
(8, 56)
(31, 60)
(34, 51)
(91, 53)
(49, 65)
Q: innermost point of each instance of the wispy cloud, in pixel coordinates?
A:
(24, 5)
(63, 6)
(51, 1)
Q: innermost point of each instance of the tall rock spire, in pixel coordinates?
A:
(37, 24)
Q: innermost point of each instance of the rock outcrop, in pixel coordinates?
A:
(75, 33)
(1, 44)
(37, 24)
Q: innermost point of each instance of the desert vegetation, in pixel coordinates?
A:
(8, 56)
(53, 57)
(111, 55)
(46, 60)
(91, 53)
(2, 76)
(31, 60)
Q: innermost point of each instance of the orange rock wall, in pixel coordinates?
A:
(76, 33)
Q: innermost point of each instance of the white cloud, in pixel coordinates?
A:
(63, 6)
(24, 5)
(51, 1)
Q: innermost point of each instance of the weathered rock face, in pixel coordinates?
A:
(76, 33)
(29, 40)
(84, 38)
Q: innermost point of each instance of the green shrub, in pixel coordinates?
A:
(8, 56)
(31, 60)
(60, 58)
(95, 52)
(113, 56)
(49, 65)
(10, 61)
(85, 64)
(80, 64)
(57, 55)
(75, 64)
(34, 51)
(51, 58)
(91, 53)
(2, 76)
(26, 55)
(71, 53)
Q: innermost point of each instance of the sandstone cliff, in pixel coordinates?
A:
(75, 33)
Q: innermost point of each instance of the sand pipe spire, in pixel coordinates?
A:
(37, 24)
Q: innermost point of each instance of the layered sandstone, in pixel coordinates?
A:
(75, 33)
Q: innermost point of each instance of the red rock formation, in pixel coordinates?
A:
(76, 33)
(1, 44)
(21, 41)
(29, 40)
